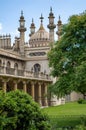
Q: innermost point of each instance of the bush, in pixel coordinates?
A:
(82, 125)
(82, 101)
(19, 112)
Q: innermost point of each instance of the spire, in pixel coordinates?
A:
(22, 22)
(59, 21)
(59, 28)
(50, 9)
(41, 19)
(32, 28)
(21, 12)
(51, 13)
(32, 20)
(32, 24)
(51, 25)
(41, 26)
(22, 30)
(21, 17)
(59, 17)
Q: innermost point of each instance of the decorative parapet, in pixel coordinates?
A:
(23, 73)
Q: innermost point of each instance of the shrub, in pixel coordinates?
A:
(19, 112)
(82, 101)
(82, 125)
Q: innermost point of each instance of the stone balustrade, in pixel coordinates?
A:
(23, 73)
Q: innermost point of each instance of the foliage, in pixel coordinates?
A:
(69, 57)
(19, 112)
(80, 78)
(82, 101)
(82, 125)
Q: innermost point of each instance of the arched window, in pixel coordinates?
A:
(37, 68)
(8, 70)
(0, 63)
(16, 66)
(8, 64)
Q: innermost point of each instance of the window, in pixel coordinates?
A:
(0, 63)
(8, 64)
(16, 66)
(37, 68)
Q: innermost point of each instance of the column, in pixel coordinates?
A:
(39, 94)
(32, 90)
(4, 68)
(15, 85)
(24, 87)
(4, 86)
(46, 102)
(15, 71)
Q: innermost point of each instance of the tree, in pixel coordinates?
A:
(19, 112)
(67, 56)
(81, 78)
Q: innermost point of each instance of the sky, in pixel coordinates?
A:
(10, 11)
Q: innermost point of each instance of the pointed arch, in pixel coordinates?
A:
(37, 68)
(0, 62)
(8, 64)
(16, 66)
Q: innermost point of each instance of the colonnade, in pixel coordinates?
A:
(37, 89)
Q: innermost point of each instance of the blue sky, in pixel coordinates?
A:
(10, 11)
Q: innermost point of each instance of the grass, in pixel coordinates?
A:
(67, 115)
(72, 108)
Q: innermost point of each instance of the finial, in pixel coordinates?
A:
(21, 12)
(59, 20)
(41, 18)
(59, 17)
(32, 20)
(51, 9)
(32, 24)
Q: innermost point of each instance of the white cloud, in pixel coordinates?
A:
(0, 26)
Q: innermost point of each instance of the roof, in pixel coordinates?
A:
(40, 34)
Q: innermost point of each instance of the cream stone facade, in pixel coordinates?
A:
(24, 66)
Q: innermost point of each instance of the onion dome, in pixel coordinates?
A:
(21, 17)
(32, 28)
(40, 36)
(51, 13)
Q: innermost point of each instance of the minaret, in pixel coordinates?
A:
(51, 26)
(22, 30)
(59, 28)
(32, 28)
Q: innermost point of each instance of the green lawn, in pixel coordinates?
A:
(72, 108)
(67, 115)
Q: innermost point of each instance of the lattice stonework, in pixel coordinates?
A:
(37, 53)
